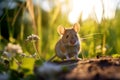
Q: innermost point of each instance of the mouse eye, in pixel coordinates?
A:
(67, 36)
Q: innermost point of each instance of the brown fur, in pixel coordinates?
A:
(69, 44)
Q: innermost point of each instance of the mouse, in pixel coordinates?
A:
(68, 45)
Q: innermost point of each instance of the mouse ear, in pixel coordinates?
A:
(60, 29)
(76, 27)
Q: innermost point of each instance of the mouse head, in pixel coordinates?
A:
(69, 36)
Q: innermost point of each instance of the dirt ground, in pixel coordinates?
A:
(100, 68)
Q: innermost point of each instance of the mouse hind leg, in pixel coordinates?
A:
(76, 57)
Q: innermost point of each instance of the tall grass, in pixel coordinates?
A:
(32, 19)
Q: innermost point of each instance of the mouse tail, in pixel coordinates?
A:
(51, 58)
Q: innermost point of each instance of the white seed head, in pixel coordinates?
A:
(32, 37)
(13, 48)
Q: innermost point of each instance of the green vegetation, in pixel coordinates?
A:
(25, 19)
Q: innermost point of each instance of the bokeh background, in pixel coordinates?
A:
(98, 19)
(24, 20)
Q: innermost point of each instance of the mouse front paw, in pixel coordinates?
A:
(67, 57)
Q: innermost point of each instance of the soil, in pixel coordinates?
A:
(100, 68)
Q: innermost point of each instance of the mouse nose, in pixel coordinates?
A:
(72, 41)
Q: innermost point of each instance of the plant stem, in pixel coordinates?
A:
(33, 42)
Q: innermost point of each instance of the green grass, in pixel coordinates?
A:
(98, 38)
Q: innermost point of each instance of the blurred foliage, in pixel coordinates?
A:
(26, 18)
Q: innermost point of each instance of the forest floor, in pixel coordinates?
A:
(100, 68)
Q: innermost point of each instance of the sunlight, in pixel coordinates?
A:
(86, 8)
(94, 7)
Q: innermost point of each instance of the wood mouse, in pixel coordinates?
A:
(69, 44)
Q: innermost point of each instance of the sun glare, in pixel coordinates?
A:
(87, 7)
